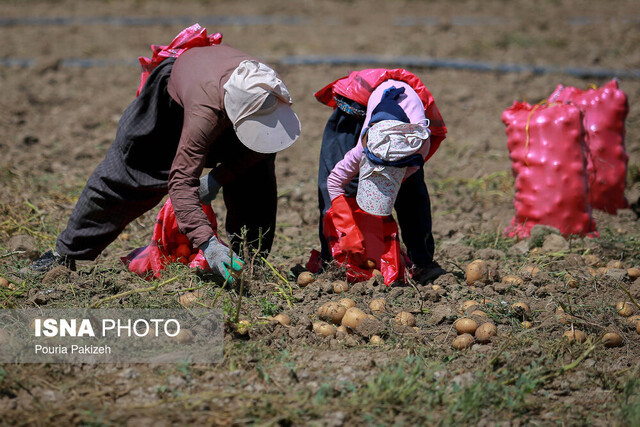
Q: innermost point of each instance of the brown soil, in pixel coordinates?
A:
(58, 121)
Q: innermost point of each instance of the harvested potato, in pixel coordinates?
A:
(405, 318)
(466, 325)
(340, 286)
(378, 304)
(624, 309)
(283, 319)
(477, 271)
(485, 332)
(575, 335)
(347, 302)
(612, 339)
(353, 317)
(332, 312)
(463, 341)
(305, 279)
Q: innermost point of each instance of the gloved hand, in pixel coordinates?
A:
(222, 259)
(351, 240)
(209, 188)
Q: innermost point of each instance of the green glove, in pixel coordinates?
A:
(222, 259)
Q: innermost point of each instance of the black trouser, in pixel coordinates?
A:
(413, 206)
(133, 178)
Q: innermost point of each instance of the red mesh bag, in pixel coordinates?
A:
(193, 36)
(381, 243)
(604, 111)
(167, 245)
(547, 150)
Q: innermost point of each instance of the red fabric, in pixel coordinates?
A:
(604, 111)
(351, 238)
(358, 86)
(547, 150)
(381, 243)
(167, 244)
(193, 36)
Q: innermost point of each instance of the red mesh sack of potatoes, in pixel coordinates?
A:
(167, 245)
(381, 243)
(547, 150)
(604, 111)
(193, 36)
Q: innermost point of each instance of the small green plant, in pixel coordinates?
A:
(267, 307)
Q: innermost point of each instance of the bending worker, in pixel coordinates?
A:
(212, 107)
(355, 98)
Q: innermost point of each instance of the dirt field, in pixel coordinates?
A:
(59, 118)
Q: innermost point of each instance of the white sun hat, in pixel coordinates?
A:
(259, 105)
(392, 146)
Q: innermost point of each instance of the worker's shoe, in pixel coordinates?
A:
(424, 275)
(48, 261)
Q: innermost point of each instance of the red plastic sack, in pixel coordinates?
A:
(193, 36)
(167, 245)
(604, 111)
(381, 242)
(547, 150)
(358, 86)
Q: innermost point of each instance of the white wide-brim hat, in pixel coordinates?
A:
(259, 105)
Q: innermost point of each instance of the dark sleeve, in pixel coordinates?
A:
(200, 129)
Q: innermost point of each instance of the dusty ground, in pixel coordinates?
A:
(58, 121)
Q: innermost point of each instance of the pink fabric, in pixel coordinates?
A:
(604, 111)
(193, 36)
(358, 86)
(546, 147)
(346, 169)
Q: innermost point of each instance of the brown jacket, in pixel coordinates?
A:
(196, 83)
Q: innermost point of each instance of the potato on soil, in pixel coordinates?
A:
(242, 328)
(405, 318)
(326, 330)
(340, 286)
(4, 283)
(633, 272)
(283, 319)
(624, 309)
(526, 324)
(531, 270)
(485, 332)
(347, 302)
(353, 317)
(521, 309)
(376, 340)
(477, 270)
(478, 314)
(189, 298)
(512, 280)
(633, 320)
(612, 339)
(332, 312)
(466, 325)
(575, 335)
(305, 278)
(462, 341)
(378, 304)
(468, 305)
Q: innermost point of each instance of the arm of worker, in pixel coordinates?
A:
(351, 238)
(344, 171)
(198, 132)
